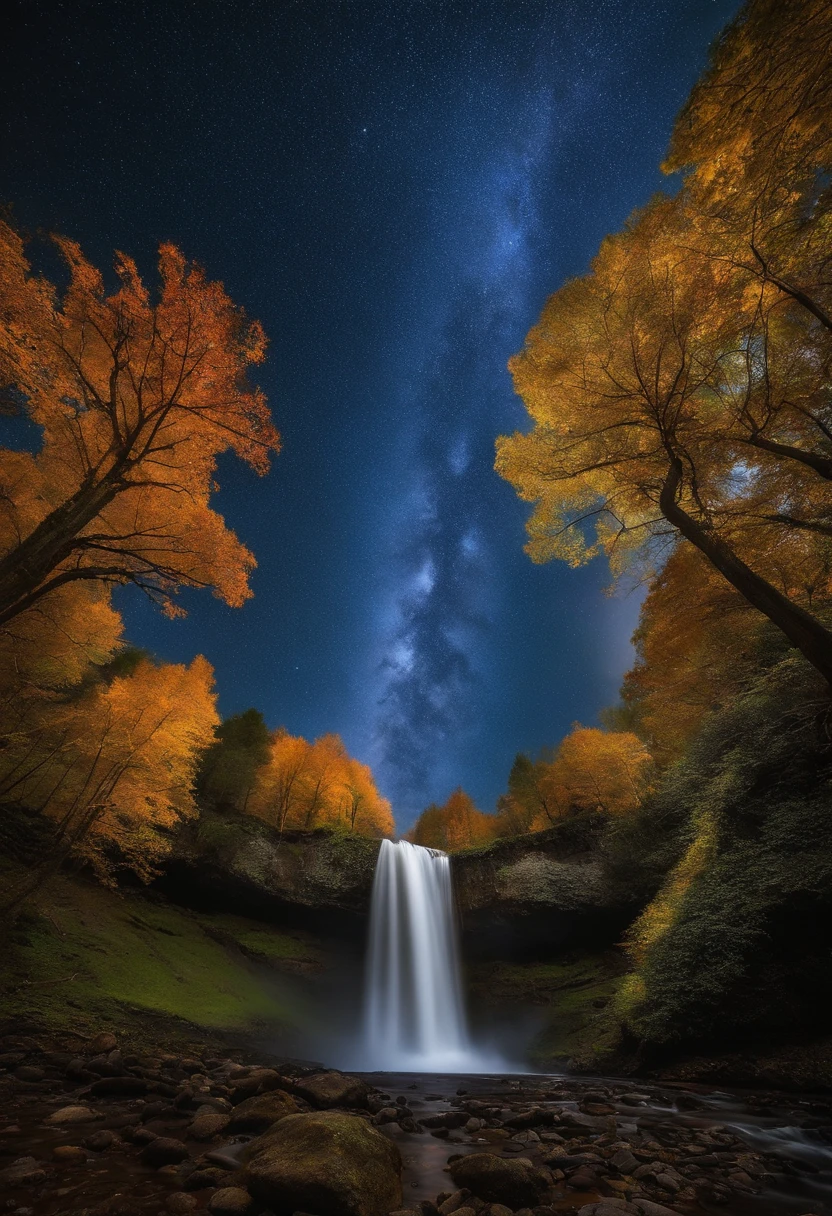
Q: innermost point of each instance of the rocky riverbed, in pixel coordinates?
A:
(109, 1132)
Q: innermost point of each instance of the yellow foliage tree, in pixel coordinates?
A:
(595, 770)
(457, 824)
(306, 785)
(648, 386)
(112, 763)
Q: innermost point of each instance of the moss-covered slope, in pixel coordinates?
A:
(86, 957)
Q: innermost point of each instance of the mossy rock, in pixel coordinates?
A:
(328, 1163)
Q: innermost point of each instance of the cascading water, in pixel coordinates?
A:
(414, 1015)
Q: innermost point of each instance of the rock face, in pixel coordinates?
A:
(522, 894)
(328, 1163)
(242, 864)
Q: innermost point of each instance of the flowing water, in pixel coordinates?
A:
(414, 1014)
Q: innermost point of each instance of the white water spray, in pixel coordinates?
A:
(414, 1015)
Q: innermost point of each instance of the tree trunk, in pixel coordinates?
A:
(32, 561)
(802, 629)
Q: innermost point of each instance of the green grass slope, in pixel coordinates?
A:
(85, 957)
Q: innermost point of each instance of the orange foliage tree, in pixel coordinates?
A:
(306, 785)
(112, 761)
(457, 824)
(595, 770)
(136, 397)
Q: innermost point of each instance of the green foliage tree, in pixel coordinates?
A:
(229, 767)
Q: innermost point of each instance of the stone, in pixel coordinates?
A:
(71, 1114)
(258, 1081)
(164, 1150)
(26, 1171)
(199, 1180)
(454, 1202)
(647, 1208)
(29, 1072)
(99, 1141)
(624, 1161)
(328, 1089)
(205, 1127)
(180, 1203)
(328, 1163)
(583, 1179)
(102, 1043)
(260, 1112)
(69, 1154)
(230, 1201)
(516, 1182)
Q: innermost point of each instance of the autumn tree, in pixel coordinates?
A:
(639, 378)
(303, 785)
(595, 770)
(755, 142)
(457, 824)
(111, 763)
(136, 397)
(698, 644)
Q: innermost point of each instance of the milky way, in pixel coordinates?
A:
(393, 190)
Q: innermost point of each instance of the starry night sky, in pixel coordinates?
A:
(393, 189)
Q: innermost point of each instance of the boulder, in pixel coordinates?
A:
(328, 1163)
(258, 1081)
(230, 1201)
(69, 1154)
(164, 1150)
(260, 1112)
(102, 1043)
(205, 1127)
(514, 1182)
(26, 1171)
(71, 1114)
(327, 1089)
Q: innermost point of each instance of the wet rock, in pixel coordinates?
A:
(164, 1150)
(583, 1179)
(69, 1154)
(102, 1043)
(181, 1203)
(230, 1201)
(29, 1072)
(646, 1207)
(26, 1171)
(71, 1114)
(143, 1135)
(260, 1112)
(258, 1081)
(454, 1202)
(99, 1141)
(624, 1161)
(205, 1127)
(200, 1180)
(516, 1183)
(328, 1089)
(328, 1163)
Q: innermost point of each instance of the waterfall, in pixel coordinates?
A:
(414, 1015)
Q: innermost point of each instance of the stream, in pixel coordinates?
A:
(749, 1154)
